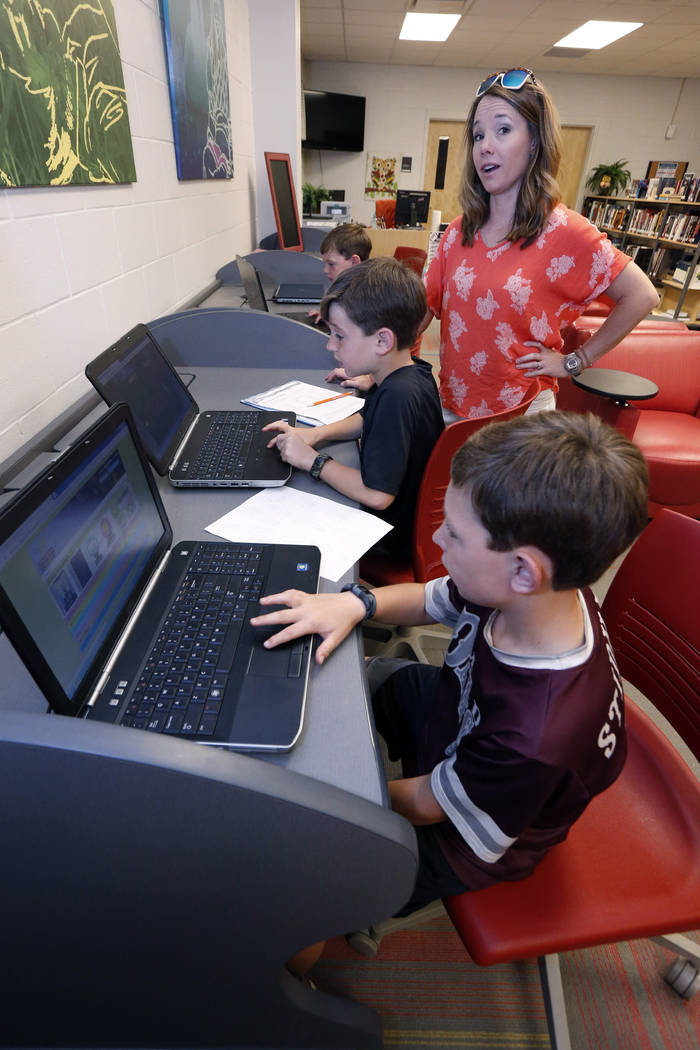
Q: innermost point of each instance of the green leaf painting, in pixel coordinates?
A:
(63, 114)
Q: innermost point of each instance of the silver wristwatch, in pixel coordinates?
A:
(573, 365)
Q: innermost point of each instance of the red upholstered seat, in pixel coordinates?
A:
(667, 427)
(413, 257)
(630, 866)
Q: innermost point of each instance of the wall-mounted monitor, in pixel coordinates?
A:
(284, 201)
(334, 121)
(412, 207)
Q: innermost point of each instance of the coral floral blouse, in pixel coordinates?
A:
(491, 300)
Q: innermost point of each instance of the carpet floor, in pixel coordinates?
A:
(431, 996)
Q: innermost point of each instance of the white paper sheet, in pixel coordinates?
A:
(312, 404)
(286, 515)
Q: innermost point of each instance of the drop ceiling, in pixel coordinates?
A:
(499, 34)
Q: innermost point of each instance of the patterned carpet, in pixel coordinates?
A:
(432, 997)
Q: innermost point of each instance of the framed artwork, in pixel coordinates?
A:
(380, 179)
(284, 201)
(62, 98)
(195, 45)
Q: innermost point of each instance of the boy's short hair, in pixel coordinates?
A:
(380, 293)
(563, 482)
(348, 239)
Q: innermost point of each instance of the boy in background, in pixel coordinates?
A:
(504, 746)
(374, 309)
(343, 246)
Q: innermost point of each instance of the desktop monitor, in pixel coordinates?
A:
(412, 207)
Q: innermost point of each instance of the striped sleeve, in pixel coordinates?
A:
(476, 827)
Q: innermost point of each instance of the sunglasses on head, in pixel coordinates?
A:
(512, 79)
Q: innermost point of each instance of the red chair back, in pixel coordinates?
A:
(427, 556)
(651, 612)
(413, 257)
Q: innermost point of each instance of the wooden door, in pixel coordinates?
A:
(573, 159)
(450, 133)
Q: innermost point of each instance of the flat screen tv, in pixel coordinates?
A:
(334, 121)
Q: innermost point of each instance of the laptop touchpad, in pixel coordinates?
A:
(272, 663)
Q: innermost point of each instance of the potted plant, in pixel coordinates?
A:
(311, 197)
(608, 180)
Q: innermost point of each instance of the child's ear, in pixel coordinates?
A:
(386, 340)
(354, 260)
(531, 570)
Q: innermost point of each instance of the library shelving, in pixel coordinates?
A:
(662, 235)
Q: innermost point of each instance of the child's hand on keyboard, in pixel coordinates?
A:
(294, 444)
(332, 616)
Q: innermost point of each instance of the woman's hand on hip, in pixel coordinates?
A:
(541, 362)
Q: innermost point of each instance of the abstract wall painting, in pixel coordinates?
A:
(63, 112)
(195, 42)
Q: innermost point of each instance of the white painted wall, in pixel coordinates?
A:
(275, 48)
(79, 266)
(629, 116)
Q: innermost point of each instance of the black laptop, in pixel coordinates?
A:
(296, 292)
(115, 625)
(254, 293)
(217, 449)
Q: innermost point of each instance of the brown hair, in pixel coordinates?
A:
(563, 482)
(348, 239)
(380, 293)
(539, 192)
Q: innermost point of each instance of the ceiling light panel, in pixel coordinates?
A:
(427, 26)
(594, 35)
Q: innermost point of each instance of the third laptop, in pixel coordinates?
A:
(252, 285)
(208, 450)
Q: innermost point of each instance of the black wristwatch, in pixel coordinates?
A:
(573, 364)
(366, 597)
(318, 464)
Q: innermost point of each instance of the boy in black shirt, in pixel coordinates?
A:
(374, 310)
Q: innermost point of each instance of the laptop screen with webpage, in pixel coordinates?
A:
(73, 569)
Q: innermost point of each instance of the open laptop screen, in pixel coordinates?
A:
(76, 551)
(134, 370)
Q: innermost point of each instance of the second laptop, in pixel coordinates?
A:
(207, 450)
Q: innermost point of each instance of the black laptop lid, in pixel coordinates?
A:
(77, 549)
(252, 285)
(136, 371)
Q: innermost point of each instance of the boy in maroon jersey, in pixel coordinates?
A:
(508, 741)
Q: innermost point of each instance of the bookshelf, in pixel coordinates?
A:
(658, 233)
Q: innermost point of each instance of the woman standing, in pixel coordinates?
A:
(518, 264)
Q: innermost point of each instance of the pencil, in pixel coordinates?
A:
(335, 397)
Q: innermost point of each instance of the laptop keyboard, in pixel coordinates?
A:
(224, 454)
(183, 681)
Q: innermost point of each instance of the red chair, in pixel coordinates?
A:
(630, 866)
(426, 562)
(413, 257)
(666, 428)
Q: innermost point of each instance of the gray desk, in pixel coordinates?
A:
(160, 886)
